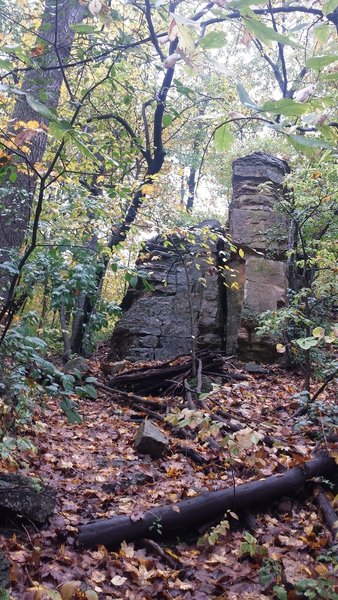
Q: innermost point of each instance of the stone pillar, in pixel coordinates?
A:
(261, 231)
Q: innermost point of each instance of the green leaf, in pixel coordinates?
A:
(307, 343)
(40, 108)
(6, 64)
(329, 6)
(329, 76)
(322, 33)
(182, 89)
(133, 281)
(58, 129)
(11, 90)
(71, 413)
(68, 382)
(280, 592)
(223, 138)
(319, 62)
(167, 120)
(90, 391)
(286, 107)
(304, 142)
(245, 98)
(83, 148)
(266, 34)
(214, 39)
(83, 28)
(238, 4)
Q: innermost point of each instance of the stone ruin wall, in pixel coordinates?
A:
(261, 231)
(186, 300)
(158, 324)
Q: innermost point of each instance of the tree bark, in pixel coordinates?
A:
(191, 189)
(329, 514)
(195, 511)
(43, 83)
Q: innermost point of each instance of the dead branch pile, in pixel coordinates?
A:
(167, 377)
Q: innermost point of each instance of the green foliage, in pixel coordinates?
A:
(269, 572)
(251, 547)
(157, 526)
(217, 533)
(304, 329)
(319, 62)
(27, 376)
(316, 589)
(70, 410)
(214, 39)
(267, 34)
(286, 107)
(223, 138)
(280, 592)
(319, 413)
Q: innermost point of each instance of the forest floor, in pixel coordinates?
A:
(97, 474)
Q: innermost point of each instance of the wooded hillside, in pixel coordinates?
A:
(173, 163)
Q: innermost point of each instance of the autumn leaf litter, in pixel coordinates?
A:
(97, 474)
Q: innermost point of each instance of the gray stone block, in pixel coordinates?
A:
(150, 440)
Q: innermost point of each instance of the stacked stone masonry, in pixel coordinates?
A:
(188, 296)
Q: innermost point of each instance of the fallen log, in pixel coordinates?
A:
(184, 515)
(329, 514)
(130, 398)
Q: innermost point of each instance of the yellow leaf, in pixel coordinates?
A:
(147, 189)
(241, 253)
(172, 554)
(67, 590)
(43, 593)
(318, 332)
(19, 124)
(234, 285)
(32, 125)
(306, 569)
(321, 569)
(91, 595)
(280, 348)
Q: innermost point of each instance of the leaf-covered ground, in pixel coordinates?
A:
(97, 473)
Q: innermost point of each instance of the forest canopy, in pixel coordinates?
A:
(121, 121)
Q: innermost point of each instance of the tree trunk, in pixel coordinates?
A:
(43, 83)
(191, 189)
(195, 511)
(64, 322)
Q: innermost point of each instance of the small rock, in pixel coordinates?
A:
(4, 573)
(256, 369)
(27, 497)
(112, 368)
(150, 440)
(78, 363)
